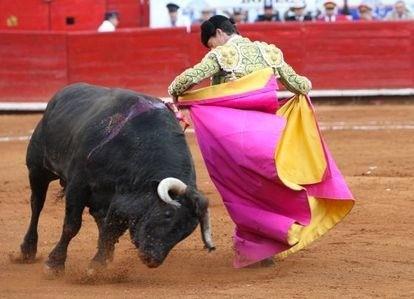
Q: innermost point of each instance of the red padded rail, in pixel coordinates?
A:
(24, 15)
(130, 12)
(32, 65)
(144, 60)
(334, 56)
(70, 15)
(86, 14)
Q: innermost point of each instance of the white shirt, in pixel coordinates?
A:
(182, 21)
(330, 19)
(106, 26)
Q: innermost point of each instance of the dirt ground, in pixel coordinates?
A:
(369, 254)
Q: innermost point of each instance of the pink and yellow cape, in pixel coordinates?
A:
(275, 174)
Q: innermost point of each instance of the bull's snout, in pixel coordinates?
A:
(149, 261)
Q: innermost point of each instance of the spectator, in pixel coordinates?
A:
(175, 20)
(239, 16)
(330, 13)
(399, 13)
(381, 10)
(299, 15)
(365, 12)
(193, 9)
(269, 15)
(206, 13)
(110, 23)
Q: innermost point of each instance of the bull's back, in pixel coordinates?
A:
(75, 107)
(75, 122)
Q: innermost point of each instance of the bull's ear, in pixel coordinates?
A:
(198, 200)
(200, 204)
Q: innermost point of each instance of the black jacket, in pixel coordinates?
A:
(307, 17)
(263, 18)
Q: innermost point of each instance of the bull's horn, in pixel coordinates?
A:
(170, 184)
(206, 231)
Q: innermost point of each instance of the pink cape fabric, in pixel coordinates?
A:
(238, 136)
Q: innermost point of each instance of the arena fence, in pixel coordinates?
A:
(342, 59)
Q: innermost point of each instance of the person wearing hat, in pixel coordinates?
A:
(269, 15)
(400, 12)
(239, 16)
(330, 13)
(110, 23)
(298, 12)
(233, 56)
(365, 12)
(174, 18)
(205, 14)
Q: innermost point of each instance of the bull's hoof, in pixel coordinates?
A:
(94, 269)
(53, 272)
(91, 272)
(22, 258)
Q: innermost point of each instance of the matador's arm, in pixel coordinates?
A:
(292, 81)
(205, 69)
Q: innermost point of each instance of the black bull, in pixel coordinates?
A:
(124, 156)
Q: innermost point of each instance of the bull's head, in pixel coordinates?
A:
(171, 220)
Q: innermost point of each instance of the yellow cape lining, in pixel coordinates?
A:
(301, 139)
(326, 213)
(253, 81)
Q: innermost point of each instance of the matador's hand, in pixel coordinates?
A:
(179, 115)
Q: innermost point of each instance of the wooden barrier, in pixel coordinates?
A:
(341, 56)
(70, 15)
(144, 60)
(32, 65)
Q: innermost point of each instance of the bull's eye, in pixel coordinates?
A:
(168, 214)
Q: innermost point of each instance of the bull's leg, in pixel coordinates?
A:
(75, 203)
(111, 229)
(39, 179)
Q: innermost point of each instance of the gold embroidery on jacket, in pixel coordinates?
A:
(293, 81)
(228, 57)
(205, 69)
(237, 58)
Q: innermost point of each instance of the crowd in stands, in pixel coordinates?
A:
(331, 11)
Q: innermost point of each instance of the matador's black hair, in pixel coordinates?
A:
(209, 27)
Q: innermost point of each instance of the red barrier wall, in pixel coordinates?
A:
(334, 56)
(32, 65)
(144, 60)
(133, 13)
(375, 56)
(86, 14)
(70, 15)
(24, 15)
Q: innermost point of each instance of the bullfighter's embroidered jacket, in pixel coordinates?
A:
(235, 59)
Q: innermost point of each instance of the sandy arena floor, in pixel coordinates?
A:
(369, 254)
